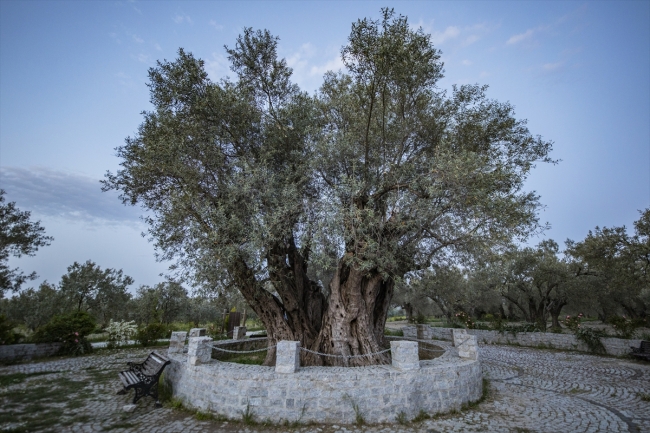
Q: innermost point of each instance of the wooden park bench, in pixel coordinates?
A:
(643, 351)
(143, 377)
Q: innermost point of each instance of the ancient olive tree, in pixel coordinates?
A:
(253, 183)
(18, 236)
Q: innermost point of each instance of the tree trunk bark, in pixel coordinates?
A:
(355, 318)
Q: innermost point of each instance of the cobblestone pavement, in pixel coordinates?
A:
(531, 390)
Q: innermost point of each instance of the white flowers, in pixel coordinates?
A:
(120, 332)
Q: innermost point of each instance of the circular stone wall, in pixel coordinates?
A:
(326, 394)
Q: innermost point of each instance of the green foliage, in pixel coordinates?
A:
(148, 334)
(421, 416)
(102, 292)
(255, 185)
(70, 329)
(465, 320)
(18, 237)
(624, 327)
(401, 418)
(7, 334)
(573, 323)
(592, 338)
(394, 332)
(35, 307)
(616, 265)
(248, 416)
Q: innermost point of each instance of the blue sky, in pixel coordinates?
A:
(73, 84)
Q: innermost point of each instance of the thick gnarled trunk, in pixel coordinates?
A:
(350, 323)
(354, 322)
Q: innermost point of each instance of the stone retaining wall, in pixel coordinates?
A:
(325, 394)
(613, 346)
(23, 352)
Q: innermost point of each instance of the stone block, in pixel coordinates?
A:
(177, 342)
(199, 350)
(197, 332)
(465, 343)
(239, 333)
(405, 355)
(287, 357)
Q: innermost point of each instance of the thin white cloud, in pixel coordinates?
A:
(217, 67)
(138, 39)
(520, 37)
(66, 195)
(157, 46)
(471, 39)
(132, 4)
(115, 37)
(551, 67)
(144, 58)
(214, 24)
(334, 64)
(466, 62)
(438, 38)
(124, 79)
(183, 18)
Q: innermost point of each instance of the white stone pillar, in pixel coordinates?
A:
(287, 357)
(239, 333)
(199, 350)
(177, 342)
(197, 332)
(465, 343)
(405, 355)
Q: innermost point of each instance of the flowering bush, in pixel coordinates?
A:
(120, 332)
(465, 319)
(573, 323)
(591, 337)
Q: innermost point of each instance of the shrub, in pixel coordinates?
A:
(120, 332)
(573, 323)
(69, 329)
(147, 335)
(7, 334)
(465, 320)
(591, 337)
(625, 328)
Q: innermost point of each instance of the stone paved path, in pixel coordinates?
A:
(531, 390)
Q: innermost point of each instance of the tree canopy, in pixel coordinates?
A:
(256, 185)
(18, 236)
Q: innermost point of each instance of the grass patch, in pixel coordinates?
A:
(643, 396)
(249, 359)
(16, 378)
(401, 418)
(203, 416)
(421, 416)
(247, 416)
(176, 403)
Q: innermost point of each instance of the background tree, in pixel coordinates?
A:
(35, 307)
(380, 174)
(101, 292)
(617, 265)
(18, 236)
(536, 282)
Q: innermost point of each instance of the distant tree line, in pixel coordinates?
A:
(104, 294)
(604, 275)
